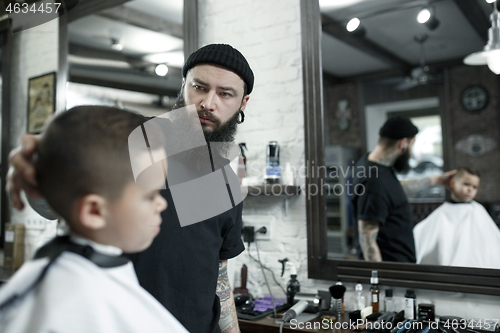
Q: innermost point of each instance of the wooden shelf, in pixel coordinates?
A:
(273, 190)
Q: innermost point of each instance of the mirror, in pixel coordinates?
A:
(353, 91)
(130, 55)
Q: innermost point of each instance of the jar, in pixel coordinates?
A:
(426, 312)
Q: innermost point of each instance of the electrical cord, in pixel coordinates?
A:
(270, 270)
(281, 326)
(265, 279)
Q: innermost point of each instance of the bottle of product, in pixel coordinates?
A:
(375, 291)
(359, 303)
(273, 171)
(426, 312)
(339, 284)
(242, 161)
(293, 286)
(389, 301)
(410, 304)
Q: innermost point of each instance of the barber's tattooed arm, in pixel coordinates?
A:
(228, 321)
(418, 185)
(412, 187)
(368, 232)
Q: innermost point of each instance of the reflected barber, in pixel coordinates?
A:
(383, 212)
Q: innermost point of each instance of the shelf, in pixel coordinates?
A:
(273, 190)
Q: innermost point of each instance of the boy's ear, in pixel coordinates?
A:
(92, 211)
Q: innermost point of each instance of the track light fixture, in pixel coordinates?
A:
(428, 17)
(355, 28)
(161, 70)
(490, 55)
(116, 45)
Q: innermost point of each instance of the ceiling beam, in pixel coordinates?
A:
(439, 66)
(143, 20)
(476, 17)
(88, 7)
(123, 85)
(136, 62)
(338, 31)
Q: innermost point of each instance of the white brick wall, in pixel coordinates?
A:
(34, 53)
(268, 34)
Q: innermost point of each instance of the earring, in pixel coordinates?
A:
(240, 121)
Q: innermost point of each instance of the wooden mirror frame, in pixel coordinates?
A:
(445, 278)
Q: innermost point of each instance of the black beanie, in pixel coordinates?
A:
(398, 128)
(223, 55)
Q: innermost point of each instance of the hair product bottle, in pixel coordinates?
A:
(359, 303)
(273, 170)
(389, 301)
(375, 291)
(339, 284)
(410, 304)
(293, 285)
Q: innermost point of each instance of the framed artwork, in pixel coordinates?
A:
(41, 101)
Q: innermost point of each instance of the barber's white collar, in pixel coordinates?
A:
(109, 250)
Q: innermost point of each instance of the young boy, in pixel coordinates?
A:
(82, 282)
(459, 232)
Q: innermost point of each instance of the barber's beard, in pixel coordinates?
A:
(402, 163)
(221, 133)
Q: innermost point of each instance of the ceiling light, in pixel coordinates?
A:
(490, 55)
(490, 1)
(423, 16)
(353, 24)
(161, 70)
(427, 17)
(355, 28)
(116, 45)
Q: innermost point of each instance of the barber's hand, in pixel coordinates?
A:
(21, 175)
(445, 178)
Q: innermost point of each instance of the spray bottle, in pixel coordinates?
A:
(293, 285)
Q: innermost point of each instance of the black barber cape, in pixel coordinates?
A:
(181, 267)
(382, 199)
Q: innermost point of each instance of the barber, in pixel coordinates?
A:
(382, 210)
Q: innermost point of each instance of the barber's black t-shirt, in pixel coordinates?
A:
(382, 199)
(181, 267)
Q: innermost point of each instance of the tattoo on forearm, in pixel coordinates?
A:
(416, 186)
(228, 321)
(368, 232)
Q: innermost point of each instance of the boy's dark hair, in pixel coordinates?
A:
(83, 151)
(464, 169)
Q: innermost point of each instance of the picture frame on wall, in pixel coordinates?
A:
(41, 101)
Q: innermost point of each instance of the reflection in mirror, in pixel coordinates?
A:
(361, 92)
(128, 56)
